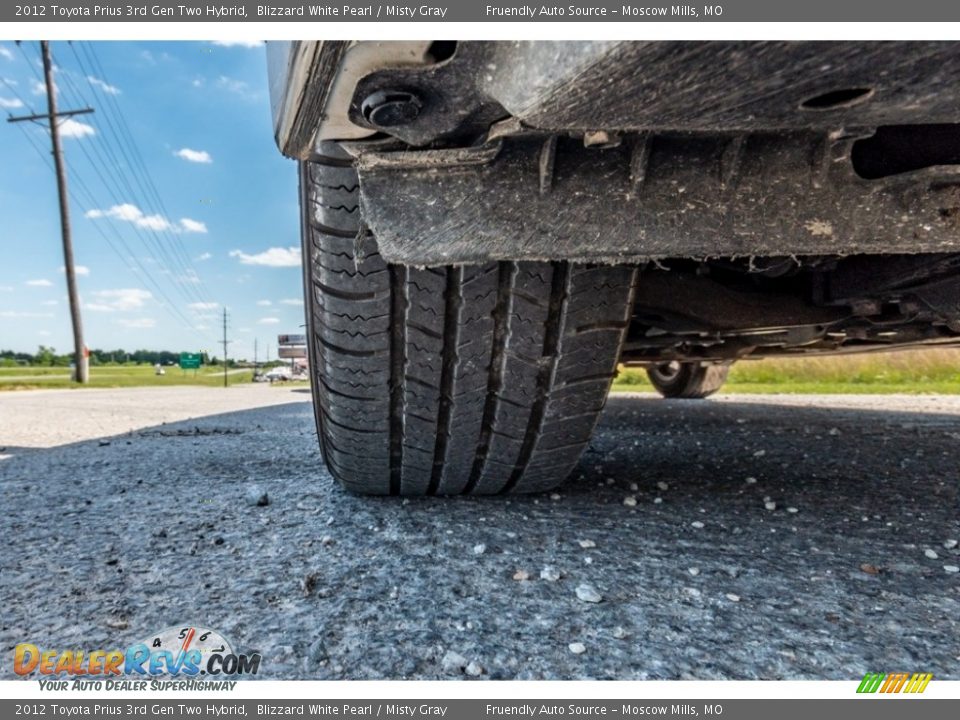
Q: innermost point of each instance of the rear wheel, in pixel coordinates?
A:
(687, 380)
(449, 380)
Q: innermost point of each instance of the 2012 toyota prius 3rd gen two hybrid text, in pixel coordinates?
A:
(489, 228)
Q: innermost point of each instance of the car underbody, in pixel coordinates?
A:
(781, 198)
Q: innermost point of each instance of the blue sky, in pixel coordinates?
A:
(212, 223)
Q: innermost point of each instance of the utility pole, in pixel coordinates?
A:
(51, 116)
(225, 343)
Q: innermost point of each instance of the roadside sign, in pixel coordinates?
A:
(289, 352)
(291, 339)
(190, 361)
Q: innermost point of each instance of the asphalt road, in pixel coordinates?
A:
(771, 538)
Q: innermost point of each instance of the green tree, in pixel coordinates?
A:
(45, 356)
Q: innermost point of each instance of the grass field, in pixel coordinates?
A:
(910, 371)
(914, 372)
(33, 378)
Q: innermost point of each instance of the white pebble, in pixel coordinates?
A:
(657, 500)
(697, 524)
(662, 485)
(474, 669)
(550, 574)
(732, 597)
(634, 487)
(693, 571)
(586, 544)
(630, 501)
(951, 568)
(554, 496)
(950, 544)
(479, 549)
(792, 510)
(619, 633)
(760, 453)
(453, 661)
(932, 554)
(751, 481)
(770, 505)
(577, 648)
(588, 593)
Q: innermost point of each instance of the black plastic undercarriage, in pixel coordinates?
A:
(781, 198)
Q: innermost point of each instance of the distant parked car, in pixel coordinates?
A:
(281, 372)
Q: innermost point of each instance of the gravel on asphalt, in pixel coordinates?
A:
(118, 525)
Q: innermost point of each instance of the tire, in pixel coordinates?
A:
(687, 380)
(452, 380)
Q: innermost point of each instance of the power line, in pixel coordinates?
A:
(99, 170)
(32, 64)
(141, 170)
(16, 94)
(102, 167)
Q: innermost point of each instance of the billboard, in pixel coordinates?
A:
(291, 340)
(290, 352)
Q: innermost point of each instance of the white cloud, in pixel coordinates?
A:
(154, 222)
(136, 323)
(237, 87)
(291, 301)
(78, 269)
(239, 43)
(75, 129)
(132, 214)
(6, 288)
(272, 257)
(264, 303)
(203, 256)
(122, 300)
(10, 103)
(19, 314)
(38, 88)
(194, 156)
(268, 321)
(197, 82)
(192, 226)
(106, 87)
(38, 283)
(5, 52)
(203, 306)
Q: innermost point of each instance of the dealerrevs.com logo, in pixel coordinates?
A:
(186, 652)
